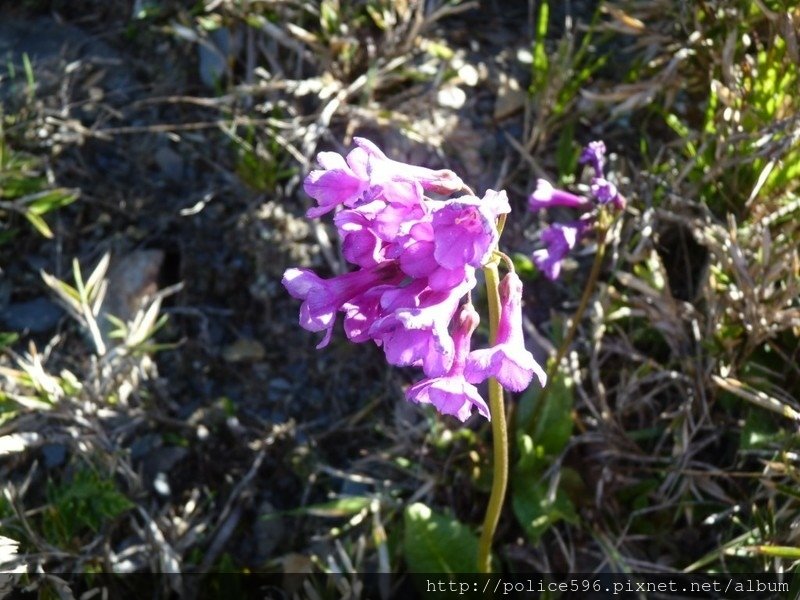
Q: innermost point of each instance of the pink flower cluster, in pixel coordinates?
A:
(416, 259)
(561, 238)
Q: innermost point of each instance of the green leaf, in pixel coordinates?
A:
(39, 223)
(567, 154)
(7, 338)
(543, 431)
(51, 200)
(549, 426)
(759, 430)
(535, 509)
(523, 265)
(789, 552)
(340, 507)
(541, 65)
(435, 543)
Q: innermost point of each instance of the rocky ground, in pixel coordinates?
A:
(220, 439)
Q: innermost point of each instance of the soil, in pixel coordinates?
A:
(238, 413)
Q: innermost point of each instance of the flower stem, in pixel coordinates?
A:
(499, 431)
(576, 320)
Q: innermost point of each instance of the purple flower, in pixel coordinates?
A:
(340, 181)
(450, 393)
(594, 154)
(416, 332)
(372, 232)
(546, 196)
(496, 203)
(559, 239)
(464, 232)
(604, 192)
(360, 244)
(415, 253)
(323, 298)
(507, 361)
(366, 174)
(443, 181)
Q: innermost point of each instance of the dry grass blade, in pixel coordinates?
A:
(32, 365)
(84, 300)
(757, 397)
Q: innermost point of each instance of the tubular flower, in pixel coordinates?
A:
(340, 181)
(594, 154)
(353, 179)
(464, 234)
(451, 393)
(546, 196)
(322, 298)
(415, 260)
(560, 238)
(443, 181)
(507, 361)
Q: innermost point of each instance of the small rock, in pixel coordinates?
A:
(469, 75)
(131, 280)
(161, 484)
(451, 97)
(170, 163)
(54, 455)
(159, 463)
(511, 98)
(36, 316)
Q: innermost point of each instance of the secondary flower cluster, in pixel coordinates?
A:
(561, 238)
(416, 259)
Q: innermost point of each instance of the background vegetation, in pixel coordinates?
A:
(160, 409)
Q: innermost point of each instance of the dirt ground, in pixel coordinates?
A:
(221, 440)
(237, 417)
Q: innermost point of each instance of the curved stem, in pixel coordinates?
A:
(499, 431)
(576, 320)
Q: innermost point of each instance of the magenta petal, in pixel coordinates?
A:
(360, 245)
(546, 196)
(331, 188)
(381, 168)
(560, 239)
(415, 332)
(604, 191)
(549, 262)
(428, 348)
(513, 367)
(464, 234)
(358, 161)
(323, 298)
(331, 160)
(450, 395)
(416, 259)
(442, 279)
(497, 202)
(508, 360)
(594, 154)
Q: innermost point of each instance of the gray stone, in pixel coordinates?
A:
(34, 316)
(54, 455)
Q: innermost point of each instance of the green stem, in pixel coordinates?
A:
(594, 274)
(499, 431)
